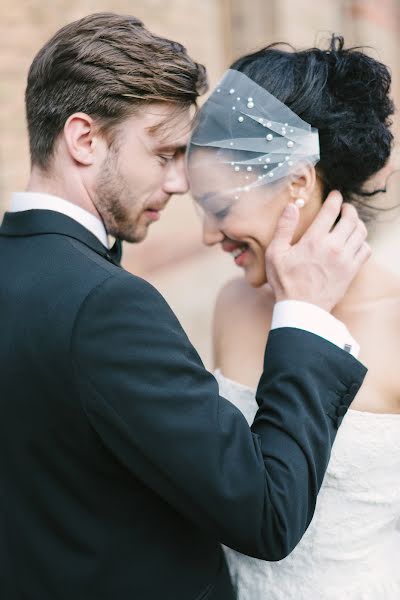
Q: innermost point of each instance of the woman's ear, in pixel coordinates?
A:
(302, 185)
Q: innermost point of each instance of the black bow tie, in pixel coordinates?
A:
(114, 254)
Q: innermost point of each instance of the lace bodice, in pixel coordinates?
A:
(351, 549)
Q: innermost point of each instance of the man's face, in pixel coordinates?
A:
(143, 168)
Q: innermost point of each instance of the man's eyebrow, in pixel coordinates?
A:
(173, 148)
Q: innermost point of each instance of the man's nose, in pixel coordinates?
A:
(211, 232)
(176, 181)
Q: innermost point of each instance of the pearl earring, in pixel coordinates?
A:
(299, 202)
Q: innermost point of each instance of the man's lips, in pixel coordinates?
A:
(154, 211)
(154, 215)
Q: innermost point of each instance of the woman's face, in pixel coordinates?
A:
(245, 229)
(244, 222)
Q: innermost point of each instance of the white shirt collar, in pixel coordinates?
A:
(21, 201)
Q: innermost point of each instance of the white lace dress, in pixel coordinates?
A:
(351, 550)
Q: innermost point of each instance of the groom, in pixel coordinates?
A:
(122, 470)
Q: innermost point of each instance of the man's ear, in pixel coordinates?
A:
(302, 183)
(80, 138)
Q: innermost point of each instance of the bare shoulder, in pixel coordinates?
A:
(234, 293)
(374, 321)
(242, 319)
(387, 284)
(237, 298)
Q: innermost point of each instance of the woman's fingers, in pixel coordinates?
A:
(356, 238)
(363, 254)
(325, 219)
(346, 225)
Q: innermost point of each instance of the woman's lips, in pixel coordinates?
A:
(240, 259)
(238, 250)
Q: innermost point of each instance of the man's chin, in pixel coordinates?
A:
(134, 237)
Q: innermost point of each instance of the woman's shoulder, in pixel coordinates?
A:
(242, 319)
(387, 296)
(374, 321)
(241, 308)
(237, 294)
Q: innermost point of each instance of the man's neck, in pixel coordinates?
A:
(39, 182)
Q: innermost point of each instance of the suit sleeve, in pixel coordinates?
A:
(147, 394)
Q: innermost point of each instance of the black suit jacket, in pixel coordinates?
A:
(122, 470)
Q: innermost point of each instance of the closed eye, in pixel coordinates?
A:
(221, 214)
(166, 159)
(213, 204)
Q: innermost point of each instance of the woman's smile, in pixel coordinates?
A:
(238, 250)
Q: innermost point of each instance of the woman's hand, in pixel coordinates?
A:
(320, 267)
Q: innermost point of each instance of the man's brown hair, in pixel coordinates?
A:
(105, 65)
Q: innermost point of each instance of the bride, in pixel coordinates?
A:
(286, 126)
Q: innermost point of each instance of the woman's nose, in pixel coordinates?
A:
(211, 232)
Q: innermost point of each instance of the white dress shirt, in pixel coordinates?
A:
(36, 201)
(287, 313)
(312, 318)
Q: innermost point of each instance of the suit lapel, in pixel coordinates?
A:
(43, 222)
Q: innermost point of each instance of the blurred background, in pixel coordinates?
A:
(215, 32)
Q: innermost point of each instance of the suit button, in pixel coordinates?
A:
(353, 389)
(346, 399)
(341, 410)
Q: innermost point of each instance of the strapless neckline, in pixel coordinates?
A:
(352, 546)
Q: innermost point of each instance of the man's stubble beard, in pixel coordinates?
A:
(112, 199)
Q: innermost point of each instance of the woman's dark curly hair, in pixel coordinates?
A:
(344, 93)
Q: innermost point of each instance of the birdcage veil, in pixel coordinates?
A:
(260, 138)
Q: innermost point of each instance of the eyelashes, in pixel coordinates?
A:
(165, 159)
(221, 214)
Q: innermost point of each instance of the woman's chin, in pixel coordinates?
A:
(255, 277)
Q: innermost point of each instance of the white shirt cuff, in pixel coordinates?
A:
(312, 318)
